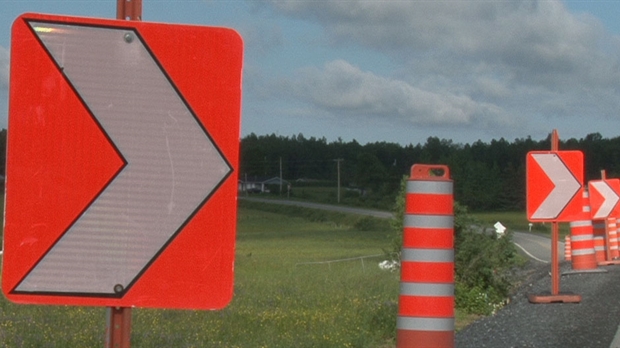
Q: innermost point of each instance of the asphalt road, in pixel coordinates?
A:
(537, 247)
(343, 209)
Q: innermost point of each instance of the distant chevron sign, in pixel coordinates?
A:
(604, 198)
(109, 233)
(554, 181)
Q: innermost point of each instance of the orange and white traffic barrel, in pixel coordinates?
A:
(600, 240)
(426, 301)
(600, 251)
(581, 244)
(612, 232)
(567, 251)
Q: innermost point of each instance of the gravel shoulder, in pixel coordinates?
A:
(591, 323)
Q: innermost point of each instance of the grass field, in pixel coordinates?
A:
(283, 297)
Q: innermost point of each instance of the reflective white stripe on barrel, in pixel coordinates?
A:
(581, 238)
(581, 223)
(425, 324)
(430, 187)
(428, 221)
(427, 255)
(582, 252)
(427, 289)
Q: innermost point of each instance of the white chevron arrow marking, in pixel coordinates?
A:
(610, 196)
(172, 166)
(566, 186)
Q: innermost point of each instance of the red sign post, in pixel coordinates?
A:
(554, 194)
(121, 163)
(118, 319)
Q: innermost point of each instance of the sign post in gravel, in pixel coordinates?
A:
(554, 190)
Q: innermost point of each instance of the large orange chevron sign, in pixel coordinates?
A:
(554, 184)
(122, 162)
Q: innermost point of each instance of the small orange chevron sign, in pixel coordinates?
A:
(604, 198)
(554, 181)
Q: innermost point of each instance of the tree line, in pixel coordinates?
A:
(487, 176)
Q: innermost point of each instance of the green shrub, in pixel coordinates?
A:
(482, 261)
(483, 264)
(477, 300)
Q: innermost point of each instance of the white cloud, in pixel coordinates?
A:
(529, 37)
(465, 26)
(345, 90)
(474, 63)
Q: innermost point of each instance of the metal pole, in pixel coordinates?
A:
(118, 319)
(607, 241)
(339, 181)
(555, 266)
(338, 161)
(129, 9)
(118, 331)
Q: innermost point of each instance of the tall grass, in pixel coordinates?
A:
(280, 299)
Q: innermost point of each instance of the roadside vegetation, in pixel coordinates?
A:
(484, 262)
(302, 279)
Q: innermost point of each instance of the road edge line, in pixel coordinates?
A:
(528, 253)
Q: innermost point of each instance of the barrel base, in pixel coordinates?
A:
(609, 263)
(581, 271)
(418, 339)
(583, 262)
(559, 298)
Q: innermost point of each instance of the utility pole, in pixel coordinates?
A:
(338, 160)
(280, 176)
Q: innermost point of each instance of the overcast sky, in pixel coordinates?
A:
(402, 71)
